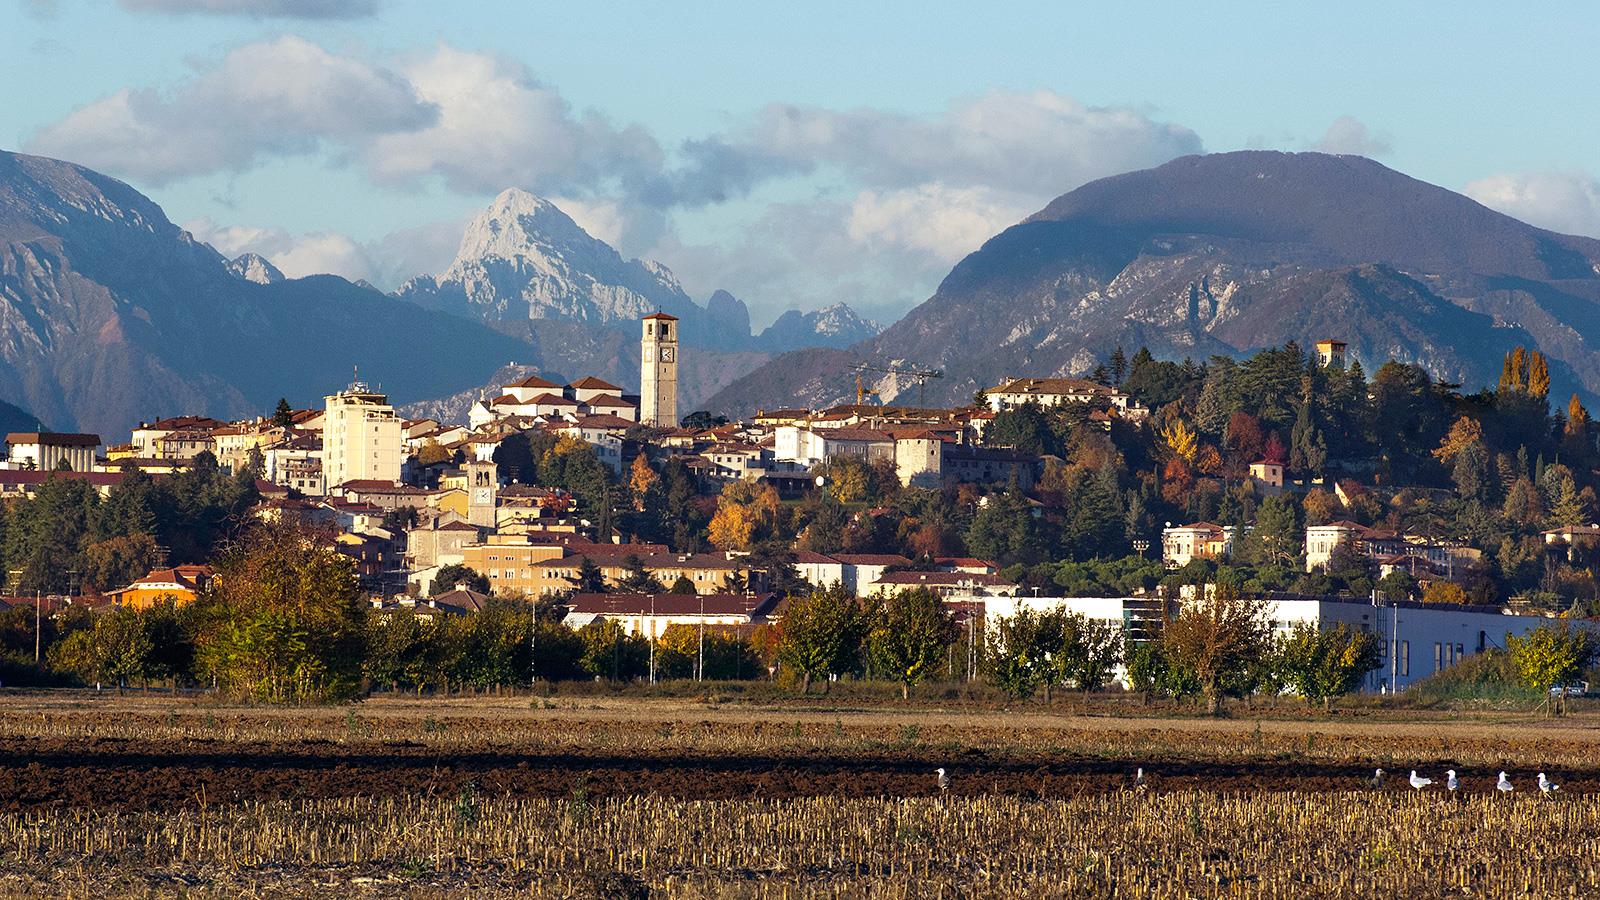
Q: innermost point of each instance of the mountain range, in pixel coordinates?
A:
(1225, 254)
(110, 314)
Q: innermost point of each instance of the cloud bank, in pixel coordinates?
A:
(899, 197)
(1564, 202)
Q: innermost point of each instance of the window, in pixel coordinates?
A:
(1405, 658)
(1438, 656)
(1460, 654)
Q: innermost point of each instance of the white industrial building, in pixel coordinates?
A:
(1416, 640)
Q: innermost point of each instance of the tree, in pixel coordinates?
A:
(1551, 656)
(117, 561)
(910, 633)
(1119, 366)
(589, 579)
(642, 480)
(1444, 592)
(610, 652)
(1089, 651)
(286, 622)
(1276, 539)
(745, 511)
(1321, 664)
(283, 416)
(1016, 657)
(1217, 636)
(637, 579)
(1180, 440)
(1538, 376)
(458, 575)
(682, 585)
(432, 452)
(820, 634)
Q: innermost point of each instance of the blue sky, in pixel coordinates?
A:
(796, 155)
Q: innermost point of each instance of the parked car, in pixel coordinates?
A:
(1575, 689)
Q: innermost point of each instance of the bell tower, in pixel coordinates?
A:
(483, 491)
(658, 371)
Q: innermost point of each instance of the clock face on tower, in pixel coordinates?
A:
(482, 496)
(667, 354)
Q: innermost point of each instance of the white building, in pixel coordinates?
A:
(651, 615)
(1047, 392)
(1182, 544)
(361, 437)
(46, 451)
(1415, 640)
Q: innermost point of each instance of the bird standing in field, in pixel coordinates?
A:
(1546, 786)
(1504, 784)
(1418, 782)
(1376, 781)
(943, 779)
(1138, 779)
(1451, 782)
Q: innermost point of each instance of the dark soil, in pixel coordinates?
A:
(140, 775)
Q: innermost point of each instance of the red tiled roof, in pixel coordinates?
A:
(611, 401)
(533, 381)
(605, 420)
(53, 439)
(943, 579)
(553, 400)
(672, 604)
(872, 559)
(25, 477)
(662, 315)
(592, 383)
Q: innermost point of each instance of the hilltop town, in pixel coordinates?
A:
(1286, 474)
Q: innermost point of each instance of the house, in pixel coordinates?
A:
(651, 615)
(710, 573)
(818, 569)
(862, 569)
(1183, 544)
(181, 584)
(965, 564)
(586, 389)
(179, 437)
(15, 483)
(1048, 392)
(1452, 557)
(1267, 476)
(48, 451)
(944, 584)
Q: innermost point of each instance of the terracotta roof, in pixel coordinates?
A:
(661, 315)
(25, 477)
(611, 401)
(592, 383)
(53, 439)
(673, 604)
(605, 420)
(814, 559)
(461, 598)
(553, 400)
(872, 559)
(533, 381)
(944, 579)
(178, 423)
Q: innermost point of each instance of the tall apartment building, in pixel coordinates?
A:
(658, 371)
(361, 437)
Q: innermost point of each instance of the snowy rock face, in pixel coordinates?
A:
(523, 258)
(833, 326)
(255, 268)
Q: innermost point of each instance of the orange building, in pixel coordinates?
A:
(181, 583)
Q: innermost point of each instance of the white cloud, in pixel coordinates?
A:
(279, 97)
(498, 126)
(1564, 202)
(295, 255)
(1042, 142)
(259, 9)
(1349, 135)
(942, 222)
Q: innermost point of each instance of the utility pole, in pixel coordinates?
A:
(700, 662)
(38, 622)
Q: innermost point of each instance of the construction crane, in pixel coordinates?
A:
(920, 375)
(862, 391)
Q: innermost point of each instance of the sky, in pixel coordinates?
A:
(796, 155)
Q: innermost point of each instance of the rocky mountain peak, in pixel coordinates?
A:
(255, 268)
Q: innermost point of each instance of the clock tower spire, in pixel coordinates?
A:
(658, 371)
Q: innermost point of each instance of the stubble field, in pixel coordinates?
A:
(623, 796)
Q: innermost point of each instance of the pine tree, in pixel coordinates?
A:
(1119, 366)
(283, 416)
(1513, 373)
